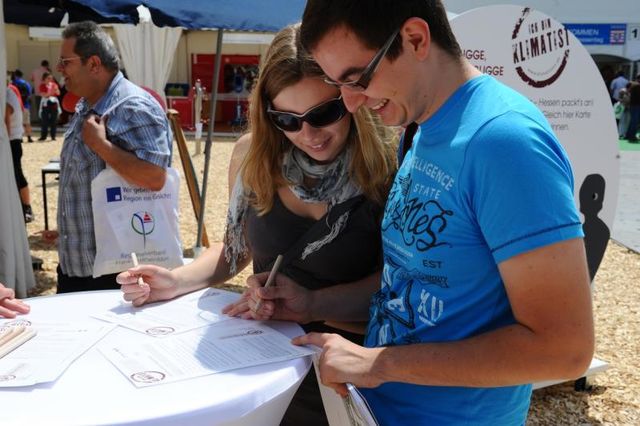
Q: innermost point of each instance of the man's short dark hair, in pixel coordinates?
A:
(17, 73)
(92, 40)
(373, 21)
(44, 63)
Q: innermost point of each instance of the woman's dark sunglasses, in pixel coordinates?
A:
(319, 116)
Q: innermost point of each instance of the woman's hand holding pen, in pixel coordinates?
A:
(284, 300)
(157, 284)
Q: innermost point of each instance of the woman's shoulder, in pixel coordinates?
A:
(240, 148)
(243, 141)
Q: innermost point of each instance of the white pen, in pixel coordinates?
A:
(134, 259)
(18, 339)
(10, 333)
(270, 279)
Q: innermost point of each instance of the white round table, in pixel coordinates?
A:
(93, 392)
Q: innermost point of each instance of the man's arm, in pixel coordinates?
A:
(548, 289)
(136, 171)
(7, 116)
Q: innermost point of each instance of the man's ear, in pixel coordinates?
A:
(94, 63)
(416, 32)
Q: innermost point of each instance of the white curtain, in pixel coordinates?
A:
(15, 261)
(147, 53)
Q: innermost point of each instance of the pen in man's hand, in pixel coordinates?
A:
(270, 279)
(134, 259)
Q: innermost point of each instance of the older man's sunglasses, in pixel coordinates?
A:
(321, 115)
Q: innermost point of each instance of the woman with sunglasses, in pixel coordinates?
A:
(308, 181)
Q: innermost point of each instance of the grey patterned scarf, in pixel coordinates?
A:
(333, 186)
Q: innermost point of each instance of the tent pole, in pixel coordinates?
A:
(207, 147)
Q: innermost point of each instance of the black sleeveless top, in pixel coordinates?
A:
(354, 254)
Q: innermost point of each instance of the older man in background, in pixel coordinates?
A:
(116, 124)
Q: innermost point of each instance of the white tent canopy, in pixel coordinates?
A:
(147, 51)
(15, 261)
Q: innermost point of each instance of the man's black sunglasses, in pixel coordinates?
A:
(319, 116)
(362, 83)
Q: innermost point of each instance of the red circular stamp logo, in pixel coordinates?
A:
(148, 377)
(540, 48)
(160, 331)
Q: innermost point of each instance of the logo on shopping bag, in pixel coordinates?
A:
(114, 194)
(143, 224)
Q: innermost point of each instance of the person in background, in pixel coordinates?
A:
(134, 139)
(49, 106)
(37, 73)
(617, 84)
(631, 134)
(13, 121)
(9, 305)
(622, 110)
(26, 91)
(309, 182)
(485, 286)
(36, 80)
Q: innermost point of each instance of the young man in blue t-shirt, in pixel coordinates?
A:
(485, 287)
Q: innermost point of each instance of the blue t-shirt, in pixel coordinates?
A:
(485, 180)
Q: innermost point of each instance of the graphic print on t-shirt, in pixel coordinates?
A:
(415, 224)
(420, 221)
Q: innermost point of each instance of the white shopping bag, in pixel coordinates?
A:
(131, 219)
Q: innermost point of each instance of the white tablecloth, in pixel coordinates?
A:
(94, 392)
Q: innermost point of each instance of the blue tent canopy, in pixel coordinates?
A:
(239, 15)
(49, 13)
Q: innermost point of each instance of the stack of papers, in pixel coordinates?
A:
(185, 338)
(197, 340)
(44, 358)
(234, 344)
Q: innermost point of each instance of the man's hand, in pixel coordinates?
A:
(94, 133)
(158, 284)
(343, 361)
(9, 305)
(284, 300)
(49, 236)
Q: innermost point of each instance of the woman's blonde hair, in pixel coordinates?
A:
(373, 163)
